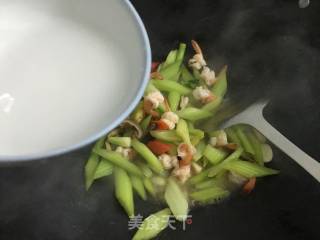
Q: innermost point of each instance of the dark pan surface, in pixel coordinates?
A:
(272, 48)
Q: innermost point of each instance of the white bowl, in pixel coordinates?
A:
(70, 71)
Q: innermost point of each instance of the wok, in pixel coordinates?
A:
(272, 49)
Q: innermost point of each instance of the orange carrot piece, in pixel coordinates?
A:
(158, 147)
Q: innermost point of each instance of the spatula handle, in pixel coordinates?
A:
(304, 160)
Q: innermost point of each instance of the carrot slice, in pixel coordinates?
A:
(158, 147)
(249, 186)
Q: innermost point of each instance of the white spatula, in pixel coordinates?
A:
(253, 116)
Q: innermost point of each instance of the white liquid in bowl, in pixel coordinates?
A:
(63, 81)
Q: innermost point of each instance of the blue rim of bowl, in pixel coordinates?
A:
(115, 123)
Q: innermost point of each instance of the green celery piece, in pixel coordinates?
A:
(257, 147)
(196, 136)
(118, 160)
(150, 88)
(158, 221)
(209, 194)
(123, 190)
(214, 105)
(249, 170)
(92, 164)
(171, 72)
(245, 143)
(183, 131)
(147, 172)
(206, 184)
(218, 168)
(232, 136)
(104, 169)
(170, 86)
(120, 141)
(149, 186)
(174, 100)
(150, 158)
(200, 149)
(138, 113)
(196, 74)
(165, 135)
(181, 52)
(194, 114)
(191, 125)
(199, 177)
(159, 181)
(161, 109)
(220, 86)
(171, 58)
(214, 155)
(185, 74)
(176, 200)
(90, 169)
(138, 186)
(145, 123)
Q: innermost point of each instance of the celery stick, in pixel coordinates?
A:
(118, 160)
(199, 177)
(194, 114)
(159, 181)
(145, 123)
(171, 58)
(244, 139)
(232, 136)
(138, 186)
(166, 135)
(90, 169)
(174, 100)
(196, 135)
(183, 131)
(200, 149)
(258, 156)
(249, 170)
(181, 52)
(171, 72)
(146, 171)
(104, 169)
(218, 168)
(150, 88)
(123, 190)
(185, 74)
(209, 194)
(92, 163)
(145, 152)
(220, 87)
(214, 155)
(149, 186)
(176, 200)
(138, 113)
(196, 74)
(187, 79)
(206, 184)
(214, 105)
(158, 221)
(120, 141)
(170, 86)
